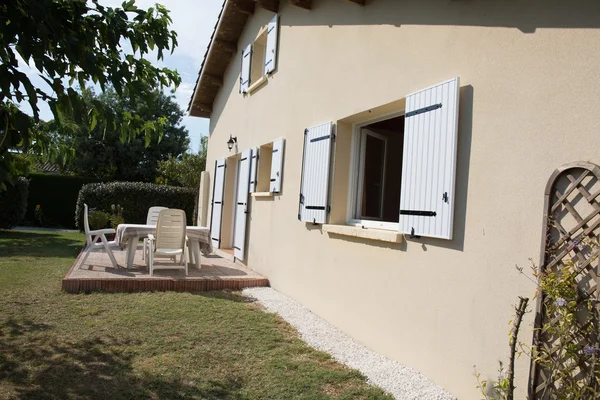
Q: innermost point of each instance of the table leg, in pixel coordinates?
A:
(132, 243)
(191, 251)
(196, 250)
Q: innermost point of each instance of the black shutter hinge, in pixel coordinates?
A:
(306, 131)
(328, 209)
(418, 213)
(445, 197)
(301, 199)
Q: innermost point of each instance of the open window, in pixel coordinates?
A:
(377, 175)
(259, 59)
(402, 166)
(266, 168)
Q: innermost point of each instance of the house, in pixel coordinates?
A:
(385, 162)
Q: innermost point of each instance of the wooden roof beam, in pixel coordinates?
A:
(306, 4)
(359, 2)
(228, 47)
(244, 6)
(269, 5)
(202, 107)
(213, 79)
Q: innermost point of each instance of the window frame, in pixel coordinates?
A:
(357, 170)
(364, 132)
(257, 79)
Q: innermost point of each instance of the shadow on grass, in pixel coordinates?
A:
(98, 368)
(226, 294)
(38, 244)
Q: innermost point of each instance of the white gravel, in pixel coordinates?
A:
(402, 382)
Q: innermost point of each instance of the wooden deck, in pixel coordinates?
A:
(98, 275)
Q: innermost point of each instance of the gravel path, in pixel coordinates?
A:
(402, 382)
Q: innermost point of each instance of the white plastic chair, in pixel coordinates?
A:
(92, 238)
(170, 241)
(151, 219)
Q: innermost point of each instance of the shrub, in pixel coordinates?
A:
(117, 216)
(98, 219)
(57, 196)
(13, 203)
(135, 198)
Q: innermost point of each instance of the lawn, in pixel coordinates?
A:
(211, 345)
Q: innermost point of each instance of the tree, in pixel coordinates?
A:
(70, 41)
(103, 155)
(184, 171)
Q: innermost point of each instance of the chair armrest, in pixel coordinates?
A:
(151, 237)
(107, 231)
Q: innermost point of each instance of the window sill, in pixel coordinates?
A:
(257, 84)
(365, 233)
(262, 194)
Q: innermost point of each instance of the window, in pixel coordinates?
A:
(377, 175)
(402, 166)
(266, 168)
(265, 158)
(259, 59)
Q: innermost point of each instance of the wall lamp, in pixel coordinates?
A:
(231, 142)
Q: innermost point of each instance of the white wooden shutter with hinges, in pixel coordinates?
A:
(253, 170)
(241, 205)
(277, 165)
(314, 187)
(217, 203)
(245, 73)
(429, 161)
(271, 50)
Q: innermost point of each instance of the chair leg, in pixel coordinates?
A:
(109, 251)
(144, 252)
(90, 246)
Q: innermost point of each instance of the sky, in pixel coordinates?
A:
(194, 21)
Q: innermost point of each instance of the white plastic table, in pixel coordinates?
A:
(128, 236)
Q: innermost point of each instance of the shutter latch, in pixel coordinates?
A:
(445, 197)
(412, 234)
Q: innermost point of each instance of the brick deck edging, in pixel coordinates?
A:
(119, 285)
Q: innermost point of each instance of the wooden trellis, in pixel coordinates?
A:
(571, 225)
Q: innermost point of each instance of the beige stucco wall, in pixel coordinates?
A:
(529, 102)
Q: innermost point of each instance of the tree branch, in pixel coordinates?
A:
(520, 311)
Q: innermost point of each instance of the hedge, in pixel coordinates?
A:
(135, 198)
(13, 203)
(57, 197)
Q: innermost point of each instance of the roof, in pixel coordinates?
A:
(46, 167)
(223, 46)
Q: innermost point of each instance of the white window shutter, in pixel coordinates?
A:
(217, 203)
(253, 169)
(241, 206)
(429, 161)
(271, 50)
(245, 73)
(277, 165)
(314, 188)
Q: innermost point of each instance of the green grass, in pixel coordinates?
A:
(211, 345)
